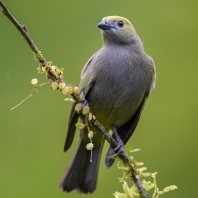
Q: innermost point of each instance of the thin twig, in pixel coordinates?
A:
(30, 95)
(23, 30)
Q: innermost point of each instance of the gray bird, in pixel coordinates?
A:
(115, 82)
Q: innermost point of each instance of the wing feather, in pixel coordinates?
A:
(85, 87)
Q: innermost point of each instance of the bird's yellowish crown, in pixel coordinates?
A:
(117, 18)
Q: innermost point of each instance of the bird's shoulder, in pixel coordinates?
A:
(87, 65)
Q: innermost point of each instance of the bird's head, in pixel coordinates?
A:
(116, 29)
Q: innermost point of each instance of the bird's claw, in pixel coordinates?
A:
(120, 145)
(117, 150)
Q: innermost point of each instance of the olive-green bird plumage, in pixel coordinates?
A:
(116, 82)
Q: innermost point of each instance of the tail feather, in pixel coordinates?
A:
(109, 161)
(81, 174)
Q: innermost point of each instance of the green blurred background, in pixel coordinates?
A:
(32, 136)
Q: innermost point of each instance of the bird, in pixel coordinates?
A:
(116, 81)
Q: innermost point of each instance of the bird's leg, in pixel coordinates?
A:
(84, 103)
(120, 147)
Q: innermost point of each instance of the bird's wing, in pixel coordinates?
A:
(87, 78)
(154, 75)
(126, 130)
(71, 128)
(85, 86)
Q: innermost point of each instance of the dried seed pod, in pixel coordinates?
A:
(62, 85)
(86, 110)
(65, 90)
(94, 117)
(80, 125)
(90, 116)
(34, 81)
(76, 90)
(90, 146)
(70, 89)
(78, 107)
(54, 85)
(90, 134)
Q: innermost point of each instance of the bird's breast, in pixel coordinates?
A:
(119, 87)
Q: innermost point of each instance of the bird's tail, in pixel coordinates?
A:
(81, 174)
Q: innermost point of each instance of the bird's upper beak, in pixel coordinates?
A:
(104, 25)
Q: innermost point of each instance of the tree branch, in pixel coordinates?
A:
(57, 78)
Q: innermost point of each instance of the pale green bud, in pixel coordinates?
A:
(90, 116)
(86, 110)
(43, 69)
(80, 125)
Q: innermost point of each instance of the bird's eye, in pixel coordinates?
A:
(120, 24)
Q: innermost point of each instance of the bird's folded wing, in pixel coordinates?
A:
(86, 84)
(126, 130)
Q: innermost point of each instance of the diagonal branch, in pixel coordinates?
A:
(54, 77)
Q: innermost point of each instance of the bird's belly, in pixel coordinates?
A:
(114, 108)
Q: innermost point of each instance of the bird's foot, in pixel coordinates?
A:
(117, 151)
(120, 145)
(85, 103)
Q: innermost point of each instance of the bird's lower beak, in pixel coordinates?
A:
(104, 25)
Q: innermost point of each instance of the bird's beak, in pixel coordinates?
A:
(104, 25)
